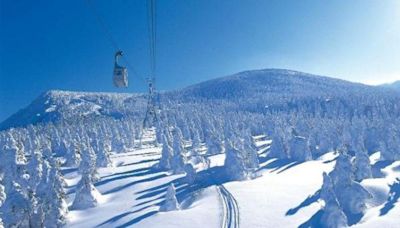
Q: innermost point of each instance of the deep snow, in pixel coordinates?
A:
(285, 195)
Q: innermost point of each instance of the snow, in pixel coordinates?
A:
(272, 198)
(284, 196)
(325, 112)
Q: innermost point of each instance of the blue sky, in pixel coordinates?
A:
(59, 45)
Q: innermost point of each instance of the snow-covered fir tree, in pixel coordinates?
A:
(166, 154)
(350, 194)
(103, 155)
(362, 165)
(178, 159)
(2, 198)
(86, 195)
(298, 147)
(16, 207)
(88, 163)
(35, 168)
(190, 173)
(170, 203)
(73, 157)
(53, 208)
(333, 216)
(238, 163)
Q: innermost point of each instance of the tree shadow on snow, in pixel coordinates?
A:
(314, 221)
(308, 201)
(130, 223)
(394, 195)
(119, 188)
(141, 162)
(185, 194)
(377, 168)
(278, 164)
(120, 176)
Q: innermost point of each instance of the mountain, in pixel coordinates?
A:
(248, 90)
(56, 105)
(272, 82)
(393, 85)
(258, 148)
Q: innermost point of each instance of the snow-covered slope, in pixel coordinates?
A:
(285, 195)
(246, 150)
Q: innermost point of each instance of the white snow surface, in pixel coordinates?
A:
(283, 196)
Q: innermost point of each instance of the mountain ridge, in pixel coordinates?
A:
(254, 86)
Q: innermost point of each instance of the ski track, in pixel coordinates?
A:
(231, 208)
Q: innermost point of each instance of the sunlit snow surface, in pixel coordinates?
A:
(286, 195)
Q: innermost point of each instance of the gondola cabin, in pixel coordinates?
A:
(120, 77)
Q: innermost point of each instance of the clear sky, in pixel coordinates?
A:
(59, 45)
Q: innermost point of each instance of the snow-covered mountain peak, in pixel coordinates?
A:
(245, 90)
(55, 105)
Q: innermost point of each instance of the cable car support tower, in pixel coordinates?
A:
(151, 116)
(120, 74)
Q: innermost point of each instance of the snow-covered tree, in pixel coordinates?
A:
(214, 145)
(390, 146)
(333, 216)
(350, 194)
(178, 160)
(103, 156)
(237, 165)
(170, 203)
(86, 195)
(73, 157)
(196, 140)
(190, 173)
(298, 147)
(166, 154)
(88, 163)
(53, 208)
(362, 166)
(250, 152)
(16, 207)
(279, 147)
(35, 168)
(11, 170)
(2, 199)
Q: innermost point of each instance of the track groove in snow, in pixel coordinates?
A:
(231, 208)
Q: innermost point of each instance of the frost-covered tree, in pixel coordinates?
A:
(170, 203)
(73, 157)
(362, 166)
(21, 158)
(178, 160)
(350, 194)
(333, 216)
(390, 146)
(250, 152)
(237, 165)
(166, 155)
(86, 195)
(279, 147)
(11, 170)
(16, 207)
(103, 156)
(53, 208)
(35, 168)
(2, 199)
(190, 173)
(196, 140)
(298, 147)
(88, 163)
